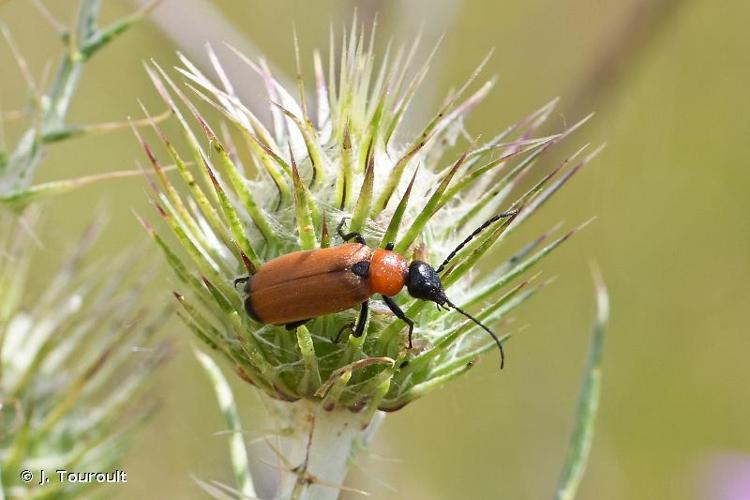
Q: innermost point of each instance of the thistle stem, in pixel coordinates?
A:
(50, 124)
(317, 448)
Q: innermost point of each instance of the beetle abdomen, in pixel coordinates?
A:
(307, 284)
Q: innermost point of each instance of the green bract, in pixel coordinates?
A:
(260, 191)
(72, 362)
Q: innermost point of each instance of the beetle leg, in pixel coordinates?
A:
(362, 320)
(400, 314)
(340, 227)
(243, 279)
(353, 236)
(294, 324)
(349, 236)
(348, 326)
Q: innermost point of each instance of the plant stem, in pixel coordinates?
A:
(27, 156)
(50, 124)
(588, 401)
(317, 447)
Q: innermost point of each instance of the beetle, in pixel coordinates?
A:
(293, 288)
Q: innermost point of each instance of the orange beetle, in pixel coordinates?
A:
(294, 288)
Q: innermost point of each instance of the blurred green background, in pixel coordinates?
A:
(669, 81)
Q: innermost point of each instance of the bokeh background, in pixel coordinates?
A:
(669, 81)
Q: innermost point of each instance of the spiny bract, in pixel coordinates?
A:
(262, 191)
(73, 362)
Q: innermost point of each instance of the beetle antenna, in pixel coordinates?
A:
(478, 230)
(492, 334)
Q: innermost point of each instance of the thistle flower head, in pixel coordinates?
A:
(72, 361)
(257, 191)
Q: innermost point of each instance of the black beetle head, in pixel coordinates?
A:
(424, 283)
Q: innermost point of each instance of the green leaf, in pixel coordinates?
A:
(321, 91)
(395, 176)
(442, 345)
(364, 201)
(377, 397)
(470, 357)
(398, 76)
(260, 139)
(207, 210)
(233, 219)
(536, 147)
(527, 204)
(433, 205)
(344, 180)
(467, 258)
(179, 267)
(198, 332)
(391, 233)
(535, 197)
(335, 389)
(20, 199)
(167, 186)
(314, 151)
(514, 268)
(199, 156)
(239, 186)
(341, 376)
(438, 124)
(98, 38)
(420, 389)
(588, 403)
(201, 258)
(238, 452)
(304, 211)
(311, 379)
